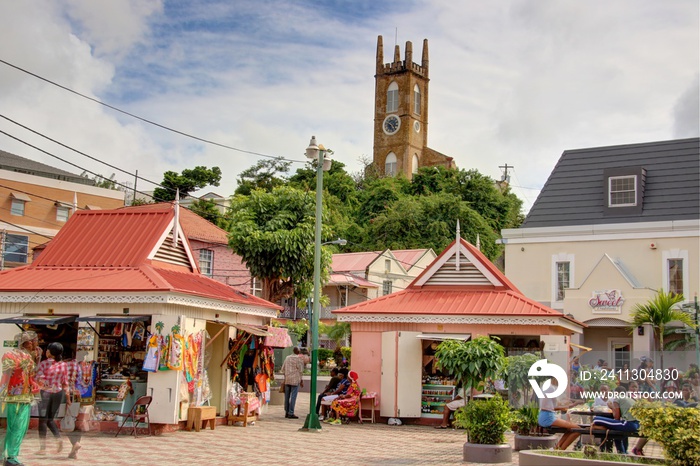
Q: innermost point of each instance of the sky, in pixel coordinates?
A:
(511, 82)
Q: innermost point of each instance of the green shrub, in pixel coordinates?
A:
(324, 354)
(524, 420)
(347, 351)
(485, 420)
(676, 429)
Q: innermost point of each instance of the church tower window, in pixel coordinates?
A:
(390, 164)
(392, 98)
(415, 164)
(416, 99)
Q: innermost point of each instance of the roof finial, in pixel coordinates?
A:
(177, 216)
(457, 246)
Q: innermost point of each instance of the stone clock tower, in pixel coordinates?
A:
(401, 115)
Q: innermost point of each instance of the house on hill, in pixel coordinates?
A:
(610, 227)
(110, 274)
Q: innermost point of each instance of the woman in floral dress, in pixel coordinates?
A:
(347, 405)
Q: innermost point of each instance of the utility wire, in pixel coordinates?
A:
(145, 120)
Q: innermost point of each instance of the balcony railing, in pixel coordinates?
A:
(290, 312)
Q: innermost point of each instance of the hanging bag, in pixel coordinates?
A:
(68, 421)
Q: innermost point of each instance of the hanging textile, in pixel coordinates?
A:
(163, 344)
(152, 359)
(176, 351)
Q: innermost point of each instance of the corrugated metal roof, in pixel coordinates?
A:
(574, 194)
(15, 163)
(350, 279)
(353, 261)
(409, 257)
(194, 226)
(105, 238)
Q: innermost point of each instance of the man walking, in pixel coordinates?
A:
(292, 368)
(17, 388)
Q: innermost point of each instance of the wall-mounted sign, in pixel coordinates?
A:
(606, 301)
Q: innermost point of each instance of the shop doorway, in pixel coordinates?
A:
(218, 347)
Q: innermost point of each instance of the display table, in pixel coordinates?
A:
(247, 410)
(374, 401)
(201, 414)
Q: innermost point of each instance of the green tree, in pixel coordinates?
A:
(187, 182)
(274, 234)
(658, 312)
(471, 362)
(265, 174)
(206, 208)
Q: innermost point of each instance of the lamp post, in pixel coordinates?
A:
(318, 153)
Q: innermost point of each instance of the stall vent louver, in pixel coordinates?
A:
(467, 274)
(172, 254)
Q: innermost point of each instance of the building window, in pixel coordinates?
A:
(256, 288)
(675, 276)
(416, 99)
(390, 165)
(415, 164)
(206, 262)
(17, 207)
(387, 265)
(622, 191)
(62, 213)
(392, 98)
(386, 287)
(563, 279)
(16, 248)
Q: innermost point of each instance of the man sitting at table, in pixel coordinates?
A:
(623, 420)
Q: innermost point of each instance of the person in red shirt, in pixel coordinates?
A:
(52, 376)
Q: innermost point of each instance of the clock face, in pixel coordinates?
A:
(416, 126)
(391, 125)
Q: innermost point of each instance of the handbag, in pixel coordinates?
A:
(68, 421)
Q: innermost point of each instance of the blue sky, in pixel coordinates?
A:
(514, 82)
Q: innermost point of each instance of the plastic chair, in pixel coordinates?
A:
(138, 413)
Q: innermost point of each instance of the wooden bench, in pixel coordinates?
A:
(198, 417)
(598, 433)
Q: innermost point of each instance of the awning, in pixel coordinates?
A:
(444, 336)
(20, 196)
(38, 320)
(257, 331)
(584, 349)
(115, 318)
(279, 338)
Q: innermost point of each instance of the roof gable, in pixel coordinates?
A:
(607, 265)
(462, 264)
(575, 192)
(194, 226)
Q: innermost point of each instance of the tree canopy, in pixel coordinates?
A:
(188, 181)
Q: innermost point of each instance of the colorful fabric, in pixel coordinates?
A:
(52, 376)
(279, 339)
(350, 405)
(17, 423)
(86, 386)
(18, 384)
(152, 359)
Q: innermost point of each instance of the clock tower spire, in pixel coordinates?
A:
(401, 114)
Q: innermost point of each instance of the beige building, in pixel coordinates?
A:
(611, 226)
(36, 200)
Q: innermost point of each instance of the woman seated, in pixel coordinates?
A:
(340, 389)
(548, 417)
(347, 405)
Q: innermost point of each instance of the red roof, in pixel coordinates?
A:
(409, 257)
(350, 279)
(491, 294)
(108, 251)
(194, 226)
(353, 261)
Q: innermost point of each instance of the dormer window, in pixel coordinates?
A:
(392, 98)
(622, 191)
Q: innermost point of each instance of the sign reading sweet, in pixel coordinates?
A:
(606, 301)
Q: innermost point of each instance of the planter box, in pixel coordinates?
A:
(541, 442)
(535, 458)
(478, 453)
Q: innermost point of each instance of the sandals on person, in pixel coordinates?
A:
(637, 451)
(441, 427)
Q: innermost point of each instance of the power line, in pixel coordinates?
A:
(145, 120)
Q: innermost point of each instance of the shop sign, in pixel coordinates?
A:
(606, 301)
(10, 344)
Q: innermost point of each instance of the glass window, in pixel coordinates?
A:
(17, 207)
(16, 248)
(256, 288)
(62, 213)
(392, 98)
(387, 265)
(623, 191)
(563, 273)
(415, 164)
(675, 276)
(386, 287)
(416, 99)
(206, 262)
(390, 164)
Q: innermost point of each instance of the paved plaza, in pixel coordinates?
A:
(274, 440)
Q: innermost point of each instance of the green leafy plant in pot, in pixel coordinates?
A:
(485, 421)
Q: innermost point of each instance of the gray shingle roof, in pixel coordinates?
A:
(15, 163)
(575, 193)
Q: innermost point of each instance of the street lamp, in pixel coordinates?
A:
(318, 153)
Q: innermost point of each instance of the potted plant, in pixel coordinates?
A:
(527, 436)
(471, 363)
(515, 375)
(486, 422)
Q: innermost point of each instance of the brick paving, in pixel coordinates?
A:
(273, 440)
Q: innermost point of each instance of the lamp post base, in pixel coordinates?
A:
(311, 424)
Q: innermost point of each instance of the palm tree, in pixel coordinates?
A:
(659, 312)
